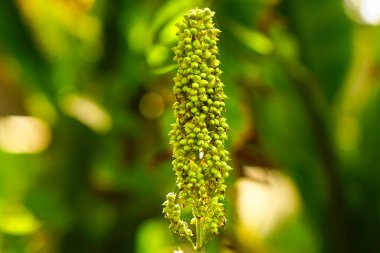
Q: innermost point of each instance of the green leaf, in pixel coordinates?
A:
(324, 33)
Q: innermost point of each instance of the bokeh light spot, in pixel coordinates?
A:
(265, 200)
(24, 134)
(364, 11)
(152, 106)
(87, 111)
(157, 55)
(16, 220)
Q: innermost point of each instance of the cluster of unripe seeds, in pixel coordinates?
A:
(199, 133)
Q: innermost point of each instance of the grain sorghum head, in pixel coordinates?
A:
(199, 133)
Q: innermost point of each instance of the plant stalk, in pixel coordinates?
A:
(199, 246)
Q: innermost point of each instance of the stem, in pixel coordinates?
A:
(199, 246)
(336, 205)
(189, 239)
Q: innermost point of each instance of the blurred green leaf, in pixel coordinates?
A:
(252, 39)
(324, 39)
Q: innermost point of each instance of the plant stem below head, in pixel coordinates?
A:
(199, 246)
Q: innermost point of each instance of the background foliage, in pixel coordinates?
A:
(87, 170)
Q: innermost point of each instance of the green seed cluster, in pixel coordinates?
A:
(173, 213)
(199, 133)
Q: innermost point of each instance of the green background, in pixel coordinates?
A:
(304, 100)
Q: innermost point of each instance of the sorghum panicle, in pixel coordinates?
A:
(199, 133)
